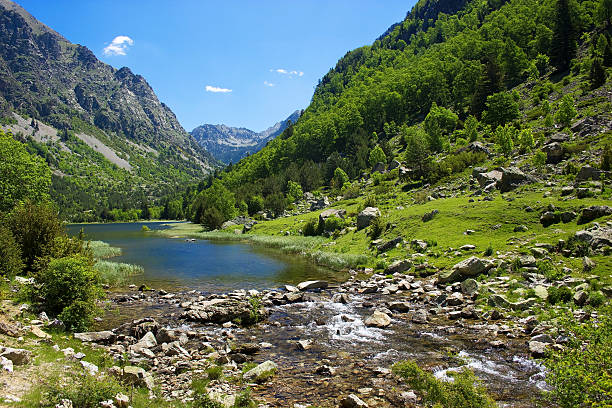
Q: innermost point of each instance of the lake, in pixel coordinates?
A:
(174, 263)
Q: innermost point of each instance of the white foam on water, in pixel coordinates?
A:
(347, 325)
(433, 335)
(476, 365)
(539, 378)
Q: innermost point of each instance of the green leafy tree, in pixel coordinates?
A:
(564, 39)
(217, 196)
(255, 204)
(340, 178)
(417, 152)
(439, 122)
(504, 137)
(501, 109)
(276, 203)
(566, 111)
(471, 128)
(22, 175)
(604, 13)
(10, 254)
(294, 191)
(526, 140)
(377, 155)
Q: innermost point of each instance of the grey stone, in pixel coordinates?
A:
(378, 319)
(420, 316)
(137, 376)
(365, 217)
(537, 349)
(469, 287)
(262, 372)
(399, 266)
(429, 216)
(549, 218)
(543, 338)
(554, 152)
(353, 401)
(310, 285)
(17, 356)
(512, 178)
(103, 337)
(592, 213)
(588, 173)
(470, 267)
(580, 297)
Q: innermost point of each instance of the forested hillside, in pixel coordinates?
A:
(450, 65)
(112, 145)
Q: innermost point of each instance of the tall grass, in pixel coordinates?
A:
(303, 246)
(115, 273)
(102, 250)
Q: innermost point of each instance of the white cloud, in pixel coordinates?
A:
(291, 73)
(270, 84)
(216, 89)
(118, 46)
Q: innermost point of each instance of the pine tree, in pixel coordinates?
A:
(490, 82)
(597, 77)
(607, 55)
(564, 44)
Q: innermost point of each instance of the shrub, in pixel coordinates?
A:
(69, 287)
(294, 191)
(539, 159)
(377, 155)
(276, 203)
(10, 254)
(606, 157)
(377, 227)
(464, 392)
(526, 140)
(561, 294)
(580, 372)
(489, 251)
(370, 201)
(212, 219)
(214, 372)
(504, 137)
(351, 190)
(102, 250)
(340, 178)
(471, 128)
(596, 298)
(310, 228)
(549, 270)
(116, 273)
(35, 227)
(255, 204)
(334, 224)
(566, 111)
(83, 390)
(245, 400)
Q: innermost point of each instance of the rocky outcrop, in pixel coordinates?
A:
(102, 337)
(470, 267)
(592, 213)
(512, 178)
(221, 311)
(365, 217)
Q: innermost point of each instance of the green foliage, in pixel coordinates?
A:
(102, 250)
(10, 254)
(69, 287)
(539, 159)
(214, 205)
(581, 372)
(310, 228)
(116, 273)
(214, 372)
(83, 390)
(501, 109)
(504, 137)
(439, 122)
(526, 140)
(464, 392)
(294, 191)
(23, 176)
(377, 227)
(377, 155)
(340, 178)
(561, 294)
(549, 270)
(417, 150)
(245, 400)
(566, 111)
(565, 34)
(471, 128)
(276, 202)
(255, 311)
(255, 204)
(598, 75)
(333, 224)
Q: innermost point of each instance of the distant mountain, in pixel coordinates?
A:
(230, 144)
(102, 130)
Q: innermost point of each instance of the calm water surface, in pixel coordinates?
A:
(174, 263)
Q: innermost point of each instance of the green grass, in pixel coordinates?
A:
(115, 273)
(102, 250)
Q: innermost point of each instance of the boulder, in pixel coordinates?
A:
(487, 178)
(147, 341)
(399, 266)
(498, 301)
(261, 373)
(6, 364)
(319, 204)
(568, 216)
(365, 217)
(554, 152)
(102, 337)
(401, 307)
(91, 369)
(467, 268)
(596, 237)
(389, 244)
(592, 213)
(378, 319)
(420, 316)
(537, 349)
(17, 356)
(331, 213)
(512, 178)
(311, 285)
(9, 330)
(549, 218)
(429, 216)
(222, 310)
(165, 335)
(469, 287)
(588, 173)
(137, 376)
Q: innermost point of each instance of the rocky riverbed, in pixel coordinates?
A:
(327, 342)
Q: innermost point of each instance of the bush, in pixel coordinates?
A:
(504, 137)
(214, 372)
(294, 191)
(377, 227)
(255, 204)
(501, 109)
(84, 390)
(10, 254)
(464, 392)
(35, 228)
(310, 228)
(549, 270)
(212, 219)
(69, 287)
(580, 372)
(561, 294)
(539, 159)
(566, 111)
(245, 400)
(340, 178)
(334, 224)
(377, 155)
(471, 128)
(606, 158)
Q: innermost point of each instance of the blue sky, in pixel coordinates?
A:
(242, 63)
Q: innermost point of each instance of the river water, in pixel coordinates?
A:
(175, 264)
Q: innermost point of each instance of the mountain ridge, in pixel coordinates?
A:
(229, 144)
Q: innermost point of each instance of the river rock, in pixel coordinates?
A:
(401, 307)
(389, 244)
(222, 310)
(537, 349)
(310, 285)
(304, 344)
(420, 316)
(147, 341)
(469, 287)
(580, 297)
(352, 401)
(326, 370)
(262, 372)
(399, 266)
(365, 217)
(470, 267)
(543, 338)
(137, 376)
(165, 335)
(103, 337)
(36, 331)
(378, 319)
(17, 356)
